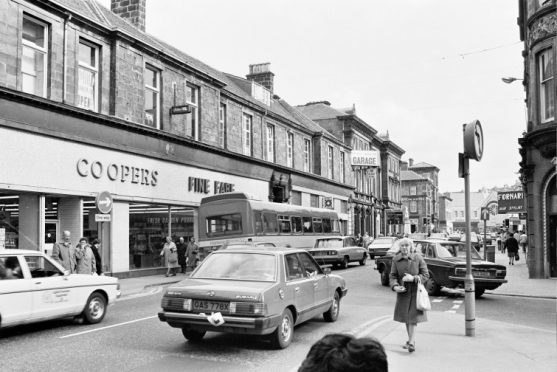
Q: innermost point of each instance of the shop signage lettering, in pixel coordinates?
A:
(510, 202)
(203, 186)
(117, 172)
(164, 220)
(364, 158)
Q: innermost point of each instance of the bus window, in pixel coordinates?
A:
(327, 225)
(335, 226)
(270, 223)
(296, 224)
(224, 224)
(258, 224)
(307, 224)
(317, 225)
(284, 224)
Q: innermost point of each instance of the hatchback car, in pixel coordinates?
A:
(257, 291)
(338, 250)
(33, 288)
(380, 246)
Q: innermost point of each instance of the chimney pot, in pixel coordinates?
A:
(132, 11)
(410, 162)
(261, 74)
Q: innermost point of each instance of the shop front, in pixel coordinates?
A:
(51, 187)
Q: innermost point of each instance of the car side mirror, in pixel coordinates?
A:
(326, 270)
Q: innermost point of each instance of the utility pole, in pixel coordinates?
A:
(473, 149)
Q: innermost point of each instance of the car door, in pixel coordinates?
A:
(350, 248)
(321, 291)
(53, 294)
(300, 285)
(15, 291)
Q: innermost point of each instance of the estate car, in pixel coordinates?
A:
(33, 288)
(338, 250)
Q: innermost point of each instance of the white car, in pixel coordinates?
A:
(33, 288)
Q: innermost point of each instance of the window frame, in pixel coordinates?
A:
(330, 162)
(290, 149)
(342, 168)
(192, 100)
(247, 134)
(156, 91)
(270, 142)
(307, 155)
(545, 102)
(45, 51)
(95, 70)
(222, 125)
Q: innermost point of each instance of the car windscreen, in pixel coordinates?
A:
(383, 241)
(328, 243)
(443, 252)
(238, 266)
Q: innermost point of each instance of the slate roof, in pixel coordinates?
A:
(320, 111)
(423, 165)
(408, 175)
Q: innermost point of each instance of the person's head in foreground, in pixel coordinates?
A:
(345, 353)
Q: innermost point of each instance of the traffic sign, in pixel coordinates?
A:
(104, 202)
(102, 217)
(485, 213)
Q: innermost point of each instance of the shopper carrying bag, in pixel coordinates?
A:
(422, 298)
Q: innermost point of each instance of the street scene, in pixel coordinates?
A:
(290, 186)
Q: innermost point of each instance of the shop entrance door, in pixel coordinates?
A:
(51, 233)
(552, 246)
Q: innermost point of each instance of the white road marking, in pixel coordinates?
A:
(451, 311)
(149, 292)
(457, 301)
(378, 323)
(455, 307)
(107, 327)
(363, 327)
(438, 300)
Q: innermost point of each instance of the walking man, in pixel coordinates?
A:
(182, 254)
(191, 253)
(64, 253)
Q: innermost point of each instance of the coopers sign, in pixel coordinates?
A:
(510, 202)
(364, 158)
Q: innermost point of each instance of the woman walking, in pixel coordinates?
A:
(85, 258)
(512, 248)
(170, 253)
(407, 268)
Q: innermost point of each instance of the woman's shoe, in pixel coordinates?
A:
(405, 346)
(166, 275)
(411, 348)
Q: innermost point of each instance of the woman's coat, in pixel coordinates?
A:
(405, 308)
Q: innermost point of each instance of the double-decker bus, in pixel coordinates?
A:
(236, 217)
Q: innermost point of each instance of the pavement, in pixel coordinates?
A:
(441, 342)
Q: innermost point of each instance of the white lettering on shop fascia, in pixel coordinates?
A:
(203, 186)
(114, 172)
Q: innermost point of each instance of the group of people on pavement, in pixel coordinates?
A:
(84, 258)
(180, 255)
(511, 243)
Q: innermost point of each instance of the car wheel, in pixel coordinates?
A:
(193, 335)
(479, 292)
(95, 308)
(433, 289)
(282, 336)
(384, 277)
(344, 263)
(331, 315)
(363, 260)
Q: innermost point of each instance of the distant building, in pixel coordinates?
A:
(538, 29)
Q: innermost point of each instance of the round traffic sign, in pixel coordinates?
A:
(474, 140)
(104, 202)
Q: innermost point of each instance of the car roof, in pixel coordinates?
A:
(261, 249)
(11, 251)
(333, 237)
(440, 241)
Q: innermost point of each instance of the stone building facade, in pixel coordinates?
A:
(538, 30)
(89, 102)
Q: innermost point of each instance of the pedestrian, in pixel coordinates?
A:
(406, 270)
(503, 241)
(365, 240)
(85, 258)
(170, 254)
(511, 244)
(523, 241)
(181, 246)
(339, 352)
(359, 241)
(192, 252)
(64, 253)
(96, 248)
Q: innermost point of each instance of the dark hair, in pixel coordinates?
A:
(345, 353)
(96, 241)
(84, 238)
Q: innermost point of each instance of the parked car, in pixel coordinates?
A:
(258, 291)
(338, 250)
(441, 236)
(475, 240)
(380, 246)
(446, 262)
(33, 288)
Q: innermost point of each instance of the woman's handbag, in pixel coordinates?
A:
(422, 298)
(516, 256)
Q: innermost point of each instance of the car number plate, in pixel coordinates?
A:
(482, 274)
(210, 305)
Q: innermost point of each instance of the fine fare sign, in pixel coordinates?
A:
(364, 158)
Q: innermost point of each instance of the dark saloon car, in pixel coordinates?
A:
(338, 250)
(446, 262)
(256, 290)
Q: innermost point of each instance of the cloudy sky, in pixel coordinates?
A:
(418, 69)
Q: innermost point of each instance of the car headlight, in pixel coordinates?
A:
(501, 273)
(460, 271)
(187, 305)
(333, 253)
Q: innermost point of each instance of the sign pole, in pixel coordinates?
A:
(469, 288)
(485, 241)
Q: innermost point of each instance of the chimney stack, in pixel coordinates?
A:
(261, 74)
(410, 162)
(132, 11)
(403, 165)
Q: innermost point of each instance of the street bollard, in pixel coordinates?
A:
(490, 253)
